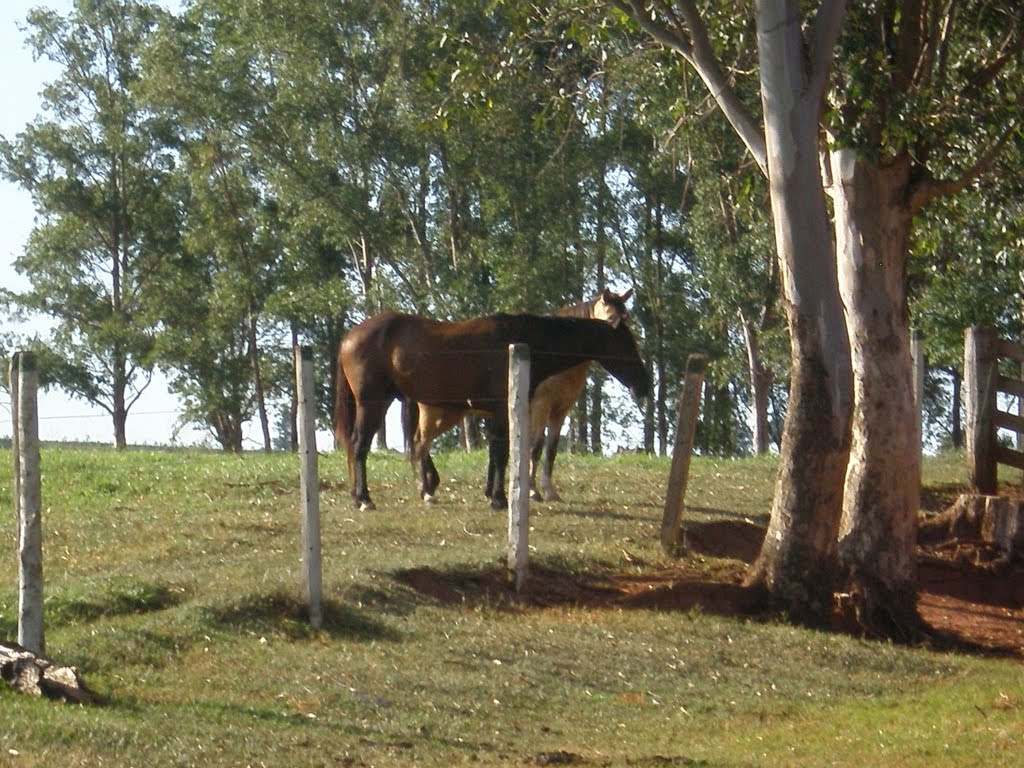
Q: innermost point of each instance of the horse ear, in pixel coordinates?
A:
(607, 294)
(626, 295)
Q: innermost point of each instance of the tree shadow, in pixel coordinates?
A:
(977, 610)
(118, 597)
(685, 585)
(279, 612)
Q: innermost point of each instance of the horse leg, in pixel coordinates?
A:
(535, 454)
(367, 423)
(538, 419)
(546, 483)
(498, 461)
(428, 476)
(489, 486)
(431, 478)
(432, 422)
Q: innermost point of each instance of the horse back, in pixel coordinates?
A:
(447, 364)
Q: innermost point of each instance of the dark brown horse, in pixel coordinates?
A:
(462, 365)
(549, 406)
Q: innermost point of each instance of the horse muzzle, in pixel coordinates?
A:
(641, 392)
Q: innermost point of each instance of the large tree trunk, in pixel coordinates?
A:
(797, 563)
(879, 524)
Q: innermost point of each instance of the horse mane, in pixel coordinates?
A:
(579, 309)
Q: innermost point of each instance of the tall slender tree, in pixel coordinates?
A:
(100, 174)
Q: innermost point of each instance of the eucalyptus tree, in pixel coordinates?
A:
(514, 158)
(204, 73)
(502, 202)
(734, 262)
(101, 177)
(916, 98)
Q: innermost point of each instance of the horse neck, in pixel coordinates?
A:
(589, 342)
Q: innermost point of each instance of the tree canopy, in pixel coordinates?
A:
(217, 182)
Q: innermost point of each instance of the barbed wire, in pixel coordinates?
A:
(84, 416)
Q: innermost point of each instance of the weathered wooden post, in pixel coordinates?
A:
(673, 538)
(519, 463)
(309, 486)
(28, 500)
(980, 372)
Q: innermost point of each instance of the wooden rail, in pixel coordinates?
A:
(983, 382)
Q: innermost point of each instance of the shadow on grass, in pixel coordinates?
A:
(286, 614)
(969, 609)
(639, 513)
(548, 585)
(115, 598)
(685, 585)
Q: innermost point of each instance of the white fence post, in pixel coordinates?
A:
(519, 463)
(28, 501)
(309, 487)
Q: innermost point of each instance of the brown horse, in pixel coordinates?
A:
(459, 366)
(549, 406)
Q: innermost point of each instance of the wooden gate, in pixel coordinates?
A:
(983, 382)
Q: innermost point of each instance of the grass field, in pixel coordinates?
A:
(172, 583)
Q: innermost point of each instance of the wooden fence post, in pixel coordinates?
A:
(519, 463)
(980, 372)
(28, 501)
(309, 486)
(672, 535)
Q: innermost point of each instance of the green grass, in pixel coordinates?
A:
(172, 583)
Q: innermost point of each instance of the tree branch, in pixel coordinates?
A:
(823, 37)
(928, 188)
(699, 53)
(660, 33)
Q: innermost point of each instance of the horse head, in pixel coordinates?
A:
(626, 365)
(611, 307)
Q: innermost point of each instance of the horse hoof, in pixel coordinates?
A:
(552, 495)
(428, 499)
(366, 505)
(499, 503)
(535, 496)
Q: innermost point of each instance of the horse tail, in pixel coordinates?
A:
(410, 421)
(344, 415)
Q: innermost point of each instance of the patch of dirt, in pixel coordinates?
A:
(969, 596)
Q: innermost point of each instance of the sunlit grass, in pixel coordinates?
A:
(172, 582)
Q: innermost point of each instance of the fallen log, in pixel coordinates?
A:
(38, 676)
